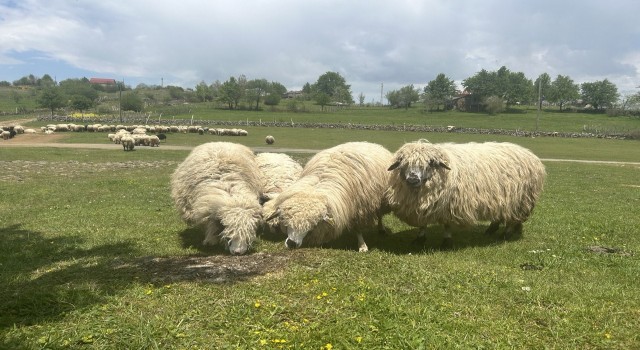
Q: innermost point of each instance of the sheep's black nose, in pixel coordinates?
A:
(290, 244)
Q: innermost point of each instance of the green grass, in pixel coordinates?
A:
(93, 255)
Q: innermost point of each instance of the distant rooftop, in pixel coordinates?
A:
(102, 81)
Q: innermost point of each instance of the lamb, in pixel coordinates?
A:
(341, 188)
(218, 186)
(461, 184)
(128, 142)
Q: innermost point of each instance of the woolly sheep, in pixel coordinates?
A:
(279, 172)
(29, 131)
(154, 141)
(6, 135)
(461, 184)
(270, 140)
(218, 187)
(339, 189)
(128, 142)
(19, 129)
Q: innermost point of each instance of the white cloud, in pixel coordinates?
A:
(368, 42)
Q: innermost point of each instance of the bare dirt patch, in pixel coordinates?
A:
(212, 269)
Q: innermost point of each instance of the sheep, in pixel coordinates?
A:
(162, 137)
(29, 131)
(279, 172)
(341, 188)
(19, 129)
(461, 184)
(270, 140)
(6, 135)
(154, 140)
(128, 142)
(218, 187)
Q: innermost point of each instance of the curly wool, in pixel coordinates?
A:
(218, 186)
(279, 172)
(339, 189)
(498, 182)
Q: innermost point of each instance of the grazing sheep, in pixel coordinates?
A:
(6, 135)
(19, 129)
(270, 140)
(341, 188)
(461, 184)
(218, 186)
(154, 140)
(128, 142)
(162, 137)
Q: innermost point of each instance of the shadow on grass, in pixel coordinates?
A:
(404, 242)
(44, 278)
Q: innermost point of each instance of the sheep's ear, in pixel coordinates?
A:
(329, 219)
(272, 216)
(395, 165)
(444, 164)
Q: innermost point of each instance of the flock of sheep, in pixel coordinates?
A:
(232, 193)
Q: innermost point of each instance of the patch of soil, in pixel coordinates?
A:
(213, 269)
(607, 250)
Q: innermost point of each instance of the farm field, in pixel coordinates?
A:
(95, 256)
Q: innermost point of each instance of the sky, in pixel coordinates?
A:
(375, 45)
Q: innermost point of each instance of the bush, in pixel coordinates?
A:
(494, 105)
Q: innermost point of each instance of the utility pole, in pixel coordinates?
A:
(120, 90)
(539, 103)
(381, 86)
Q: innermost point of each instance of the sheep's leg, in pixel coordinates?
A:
(362, 246)
(492, 228)
(513, 228)
(447, 241)
(421, 238)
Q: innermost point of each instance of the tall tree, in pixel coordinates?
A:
(332, 84)
(563, 90)
(600, 94)
(52, 98)
(404, 97)
(204, 92)
(230, 93)
(256, 89)
(439, 91)
(542, 84)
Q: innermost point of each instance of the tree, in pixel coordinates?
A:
(81, 88)
(334, 86)
(132, 102)
(46, 80)
(511, 87)
(404, 97)
(322, 99)
(52, 98)
(81, 103)
(563, 90)
(230, 93)
(204, 92)
(361, 98)
(176, 92)
(256, 89)
(545, 80)
(439, 91)
(274, 93)
(600, 94)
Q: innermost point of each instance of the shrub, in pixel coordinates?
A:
(494, 105)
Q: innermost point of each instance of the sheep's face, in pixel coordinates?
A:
(240, 225)
(417, 168)
(301, 215)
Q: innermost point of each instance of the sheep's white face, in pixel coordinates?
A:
(240, 227)
(420, 170)
(300, 216)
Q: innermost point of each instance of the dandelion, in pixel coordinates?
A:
(328, 346)
(257, 304)
(607, 335)
(148, 292)
(359, 340)
(263, 342)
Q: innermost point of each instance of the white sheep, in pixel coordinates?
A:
(340, 189)
(270, 140)
(279, 172)
(128, 142)
(154, 140)
(19, 129)
(218, 186)
(6, 135)
(29, 131)
(461, 184)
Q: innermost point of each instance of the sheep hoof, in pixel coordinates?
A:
(447, 244)
(363, 249)
(420, 240)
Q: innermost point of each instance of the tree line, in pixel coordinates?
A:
(490, 91)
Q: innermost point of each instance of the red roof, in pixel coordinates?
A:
(102, 81)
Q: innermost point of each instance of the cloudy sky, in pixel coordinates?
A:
(395, 43)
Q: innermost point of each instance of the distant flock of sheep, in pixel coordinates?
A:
(233, 193)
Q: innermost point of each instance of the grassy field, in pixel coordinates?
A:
(94, 256)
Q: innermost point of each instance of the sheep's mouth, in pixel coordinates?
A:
(291, 244)
(414, 182)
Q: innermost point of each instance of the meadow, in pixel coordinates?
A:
(94, 256)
